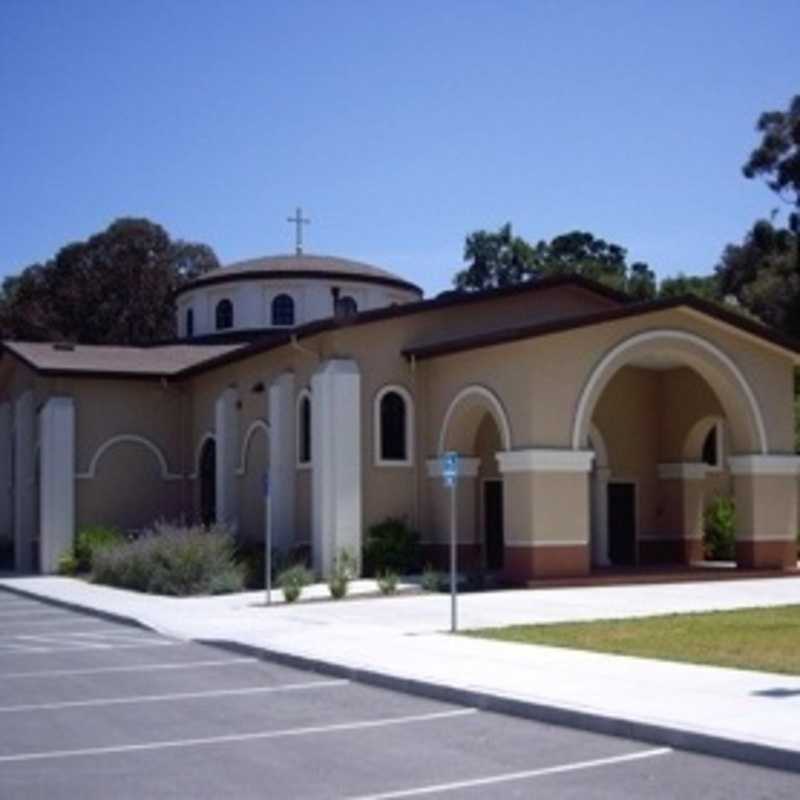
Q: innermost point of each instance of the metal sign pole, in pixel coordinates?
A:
(268, 542)
(453, 559)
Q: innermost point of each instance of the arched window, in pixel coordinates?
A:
(283, 310)
(189, 323)
(393, 427)
(224, 315)
(304, 429)
(348, 306)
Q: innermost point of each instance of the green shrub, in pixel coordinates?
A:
(344, 570)
(91, 540)
(430, 579)
(387, 582)
(293, 580)
(67, 563)
(392, 545)
(171, 559)
(719, 529)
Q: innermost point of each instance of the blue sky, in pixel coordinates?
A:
(399, 126)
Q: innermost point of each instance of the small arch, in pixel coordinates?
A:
(255, 427)
(224, 315)
(393, 454)
(495, 407)
(128, 438)
(697, 441)
(348, 306)
(303, 418)
(615, 358)
(282, 311)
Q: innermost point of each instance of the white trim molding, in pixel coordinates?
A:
(765, 465)
(255, 426)
(543, 459)
(408, 400)
(494, 406)
(683, 471)
(607, 367)
(468, 467)
(129, 438)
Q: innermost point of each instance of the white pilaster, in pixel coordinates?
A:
(282, 460)
(336, 457)
(6, 473)
(226, 423)
(57, 489)
(24, 482)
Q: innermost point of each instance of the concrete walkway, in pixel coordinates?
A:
(399, 641)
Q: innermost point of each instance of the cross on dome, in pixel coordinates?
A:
(299, 220)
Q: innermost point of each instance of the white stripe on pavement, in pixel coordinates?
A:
(235, 737)
(36, 612)
(60, 673)
(159, 698)
(517, 776)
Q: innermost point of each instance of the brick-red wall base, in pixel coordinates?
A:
(766, 554)
(525, 563)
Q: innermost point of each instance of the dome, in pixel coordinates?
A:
(283, 267)
(285, 291)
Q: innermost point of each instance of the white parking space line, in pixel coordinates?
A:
(55, 644)
(162, 698)
(182, 665)
(236, 737)
(507, 777)
(67, 622)
(33, 612)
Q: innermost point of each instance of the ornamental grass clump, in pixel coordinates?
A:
(292, 581)
(344, 570)
(387, 582)
(173, 560)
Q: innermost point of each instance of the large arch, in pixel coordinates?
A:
(128, 438)
(716, 367)
(485, 400)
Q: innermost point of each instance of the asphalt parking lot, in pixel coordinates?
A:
(94, 709)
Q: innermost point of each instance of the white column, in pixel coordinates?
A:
(57, 488)
(24, 482)
(336, 457)
(6, 473)
(226, 423)
(282, 458)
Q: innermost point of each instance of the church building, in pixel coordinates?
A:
(592, 430)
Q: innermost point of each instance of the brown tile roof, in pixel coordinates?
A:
(446, 346)
(164, 361)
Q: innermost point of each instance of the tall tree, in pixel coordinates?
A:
(777, 157)
(117, 287)
(502, 259)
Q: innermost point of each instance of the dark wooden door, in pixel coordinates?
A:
(208, 483)
(493, 523)
(622, 523)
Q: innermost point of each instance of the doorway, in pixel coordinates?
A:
(493, 523)
(622, 523)
(208, 483)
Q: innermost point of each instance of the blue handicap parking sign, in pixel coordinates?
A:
(450, 468)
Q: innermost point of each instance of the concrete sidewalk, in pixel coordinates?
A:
(399, 642)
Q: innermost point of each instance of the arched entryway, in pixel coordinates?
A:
(476, 426)
(207, 470)
(663, 412)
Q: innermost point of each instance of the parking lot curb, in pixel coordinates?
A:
(109, 616)
(756, 753)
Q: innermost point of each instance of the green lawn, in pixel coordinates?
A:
(766, 639)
